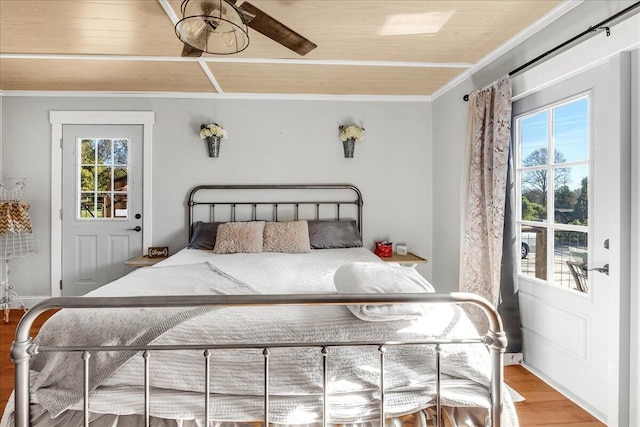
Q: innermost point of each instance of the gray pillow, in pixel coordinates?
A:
(204, 235)
(332, 234)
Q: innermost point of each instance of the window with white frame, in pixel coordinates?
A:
(103, 169)
(552, 182)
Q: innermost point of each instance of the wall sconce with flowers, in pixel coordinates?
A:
(213, 133)
(349, 134)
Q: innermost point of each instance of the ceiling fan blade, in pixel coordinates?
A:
(275, 30)
(188, 50)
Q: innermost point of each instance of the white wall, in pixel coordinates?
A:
(269, 142)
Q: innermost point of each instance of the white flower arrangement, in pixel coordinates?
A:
(212, 129)
(351, 132)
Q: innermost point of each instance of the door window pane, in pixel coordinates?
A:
(120, 152)
(570, 259)
(87, 178)
(103, 178)
(533, 246)
(570, 130)
(105, 155)
(88, 205)
(533, 135)
(534, 195)
(88, 152)
(571, 195)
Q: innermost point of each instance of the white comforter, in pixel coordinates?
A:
(296, 374)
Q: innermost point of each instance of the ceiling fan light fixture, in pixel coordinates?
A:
(212, 26)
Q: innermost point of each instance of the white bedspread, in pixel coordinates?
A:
(296, 374)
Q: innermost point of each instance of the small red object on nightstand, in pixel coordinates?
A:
(383, 249)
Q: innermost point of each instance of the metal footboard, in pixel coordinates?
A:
(23, 347)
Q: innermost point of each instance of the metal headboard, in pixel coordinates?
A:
(205, 195)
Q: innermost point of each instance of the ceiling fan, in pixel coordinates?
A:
(220, 27)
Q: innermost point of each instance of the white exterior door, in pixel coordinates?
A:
(572, 221)
(101, 204)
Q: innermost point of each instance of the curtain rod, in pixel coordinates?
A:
(599, 26)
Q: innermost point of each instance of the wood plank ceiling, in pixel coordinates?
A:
(365, 47)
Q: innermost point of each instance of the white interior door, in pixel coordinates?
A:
(101, 204)
(571, 217)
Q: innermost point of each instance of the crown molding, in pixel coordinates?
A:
(225, 96)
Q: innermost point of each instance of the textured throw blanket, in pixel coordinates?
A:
(60, 380)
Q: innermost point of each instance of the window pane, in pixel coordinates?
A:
(104, 178)
(120, 152)
(571, 130)
(87, 178)
(571, 195)
(534, 134)
(533, 255)
(571, 255)
(88, 152)
(104, 206)
(120, 188)
(87, 205)
(104, 152)
(120, 205)
(534, 195)
(120, 179)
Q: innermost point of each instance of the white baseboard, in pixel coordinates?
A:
(566, 393)
(28, 301)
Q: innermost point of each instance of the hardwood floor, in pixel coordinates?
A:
(543, 405)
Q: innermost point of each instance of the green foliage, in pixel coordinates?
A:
(532, 211)
(580, 213)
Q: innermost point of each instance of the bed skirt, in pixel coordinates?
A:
(452, 417)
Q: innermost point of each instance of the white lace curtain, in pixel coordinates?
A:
(488, 135)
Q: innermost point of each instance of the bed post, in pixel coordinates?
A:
(21, 350)
(20, 357)
(497, 343)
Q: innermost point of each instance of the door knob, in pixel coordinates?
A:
(137, 228)
(604, 269)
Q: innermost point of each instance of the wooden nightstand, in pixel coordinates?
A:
(144, 261)
(409, 259)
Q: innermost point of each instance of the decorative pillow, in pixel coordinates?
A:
(239, 237)
(330, 234)
(204, 235)
(290, 236)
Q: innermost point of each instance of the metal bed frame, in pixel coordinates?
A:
(24, 347)
(293, 204)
